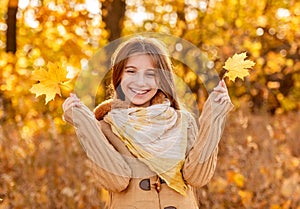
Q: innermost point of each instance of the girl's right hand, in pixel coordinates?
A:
(69, 103)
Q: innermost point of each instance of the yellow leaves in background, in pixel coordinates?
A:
(237, 66)
(246, 197)
(237, 178)
(218, 185)
(291, 186)
(49, 80)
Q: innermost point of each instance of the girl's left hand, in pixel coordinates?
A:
(222, 91)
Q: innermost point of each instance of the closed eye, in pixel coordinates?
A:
(130, 70)
(150, 73)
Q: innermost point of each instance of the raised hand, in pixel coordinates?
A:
(222, 93)
(71, 102)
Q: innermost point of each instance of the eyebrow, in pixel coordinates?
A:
(132, 66)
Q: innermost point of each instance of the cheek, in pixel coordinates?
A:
(156, 83)
(124, 80)
(123, 85)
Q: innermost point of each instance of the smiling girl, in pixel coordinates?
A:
(147, 151)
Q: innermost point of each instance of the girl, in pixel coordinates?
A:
(149, 153)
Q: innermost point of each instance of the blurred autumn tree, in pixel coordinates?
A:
(70, 32)
(11, 22)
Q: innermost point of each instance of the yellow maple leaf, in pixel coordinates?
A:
(49, 81)
(237, 67)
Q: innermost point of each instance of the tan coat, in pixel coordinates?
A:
(131, 184)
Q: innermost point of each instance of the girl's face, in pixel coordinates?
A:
(139, 80)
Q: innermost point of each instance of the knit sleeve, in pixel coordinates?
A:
(201, 159)
(113, 173)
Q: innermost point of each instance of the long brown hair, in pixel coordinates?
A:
(161, 60)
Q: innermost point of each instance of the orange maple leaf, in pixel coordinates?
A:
(49, 81)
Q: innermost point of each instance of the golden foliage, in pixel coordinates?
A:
(43, 166)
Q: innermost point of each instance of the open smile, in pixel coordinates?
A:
(139, 92)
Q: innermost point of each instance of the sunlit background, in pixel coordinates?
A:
(62, 21)
(259, 154)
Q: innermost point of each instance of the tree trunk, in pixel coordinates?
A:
(11, 35)
(113, 15)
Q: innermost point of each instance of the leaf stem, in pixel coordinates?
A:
(64, 85)
(222, 73)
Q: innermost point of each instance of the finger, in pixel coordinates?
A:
(67, 106)
(220, 89)
(71, 102)
(67, 103)
(224, 99)
(220, 96)
(72, 99)
(75, 96)
(223, 84)
(72, 105)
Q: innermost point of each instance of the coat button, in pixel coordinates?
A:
(170, 207)
(145, 184)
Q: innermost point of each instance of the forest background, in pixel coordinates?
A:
(42, 164)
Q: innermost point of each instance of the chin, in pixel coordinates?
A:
(140, 104)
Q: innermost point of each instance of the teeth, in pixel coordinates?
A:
(139, 91)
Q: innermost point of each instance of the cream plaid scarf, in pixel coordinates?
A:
(156, 135)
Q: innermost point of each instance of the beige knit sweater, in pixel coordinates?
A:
(116, 166)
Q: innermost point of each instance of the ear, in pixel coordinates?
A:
(102, 109)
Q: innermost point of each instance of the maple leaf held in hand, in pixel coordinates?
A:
(237, 67)
(49, 81)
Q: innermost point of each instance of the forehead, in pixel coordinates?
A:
(143, 61)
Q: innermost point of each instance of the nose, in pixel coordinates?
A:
(140, 78)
